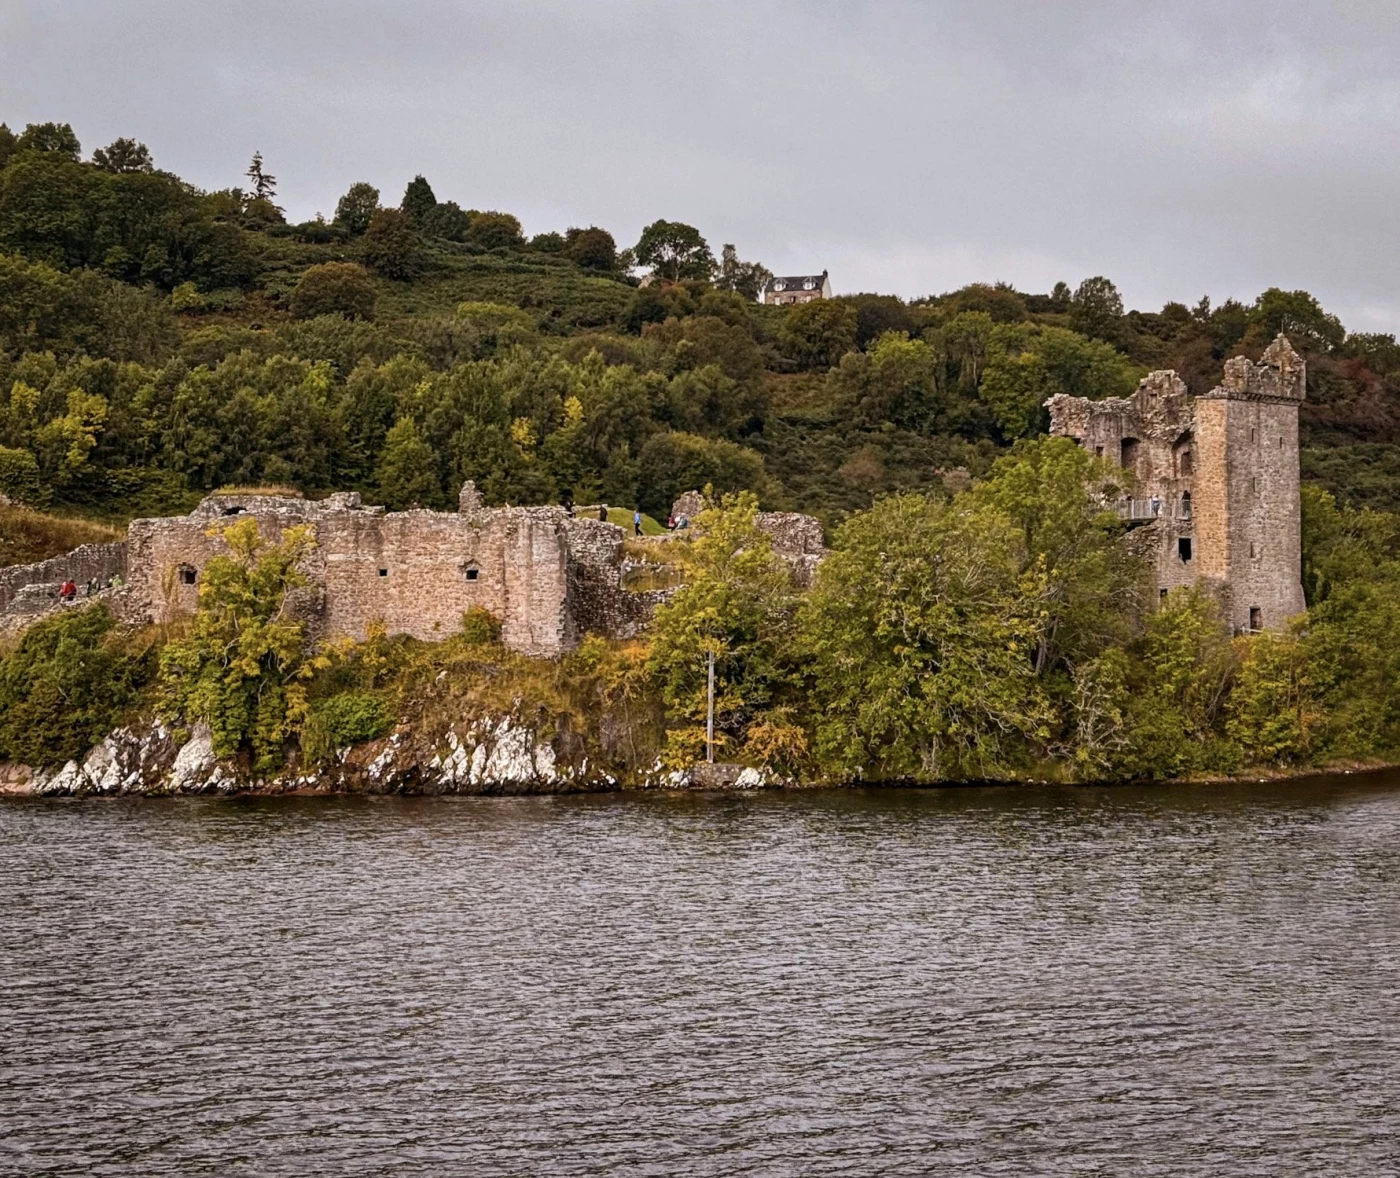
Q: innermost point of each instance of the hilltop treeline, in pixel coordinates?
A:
(978, 617)
(157, 341)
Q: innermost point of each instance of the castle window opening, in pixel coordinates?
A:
(1183, 547)
(1186, 505)
(1186, 462)
(383, 572)
(470, 572)
(1128, 453)
(1098, 451)
(1256, 618)
(236, 509)
(1251, 548)
(1162, 594)
(187, 574)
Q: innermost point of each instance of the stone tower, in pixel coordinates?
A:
(1248, 519)
(1215, 480)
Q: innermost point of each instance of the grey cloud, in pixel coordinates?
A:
(1182, 148)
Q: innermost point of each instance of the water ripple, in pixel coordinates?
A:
(1092, 982)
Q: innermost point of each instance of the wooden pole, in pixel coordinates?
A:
(710, 713)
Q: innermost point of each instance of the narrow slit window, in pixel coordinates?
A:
(1256, 618)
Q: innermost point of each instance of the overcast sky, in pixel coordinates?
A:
(1180, 148)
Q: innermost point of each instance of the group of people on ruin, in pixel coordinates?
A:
(68, 591)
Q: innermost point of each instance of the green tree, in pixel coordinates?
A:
(407, 472)
(1096, 309)
(123, 155)
(921, 640)
(392, 246)
(244, 666)
(355, 210)
(9, 144)
(1184, 668)
(495, 231)
(65, 685)
(264, 182)
(591, 248)
(737, 603)
(19, 477)
(1026, 365)
(674, 462)
(333, 288)
(746, 278)
(448, 221)
(1273, 710)
(819, 333)
(55, 138)
(418, 199)
(1087, 586)
(1298, 315)
(674, 251)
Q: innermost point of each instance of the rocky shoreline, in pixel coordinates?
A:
(494, 757)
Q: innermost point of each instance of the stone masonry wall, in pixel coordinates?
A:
(102, 561)
(1223, 472)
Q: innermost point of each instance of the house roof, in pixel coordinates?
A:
(796, 281)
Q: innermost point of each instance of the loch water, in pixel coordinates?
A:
(1116, 981)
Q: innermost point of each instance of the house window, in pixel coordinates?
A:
(1183, 547)
(187, 574)
(1256, 618)
(383, 572)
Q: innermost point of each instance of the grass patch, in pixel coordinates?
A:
(269, 489)
(623, 519)
(28, 536)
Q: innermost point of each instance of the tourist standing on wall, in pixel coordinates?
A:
(636, 523)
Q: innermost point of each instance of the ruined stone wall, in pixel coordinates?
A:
(102, 561)
(1224, 469)
(416, 571)
(1251, 518)
(547, 576)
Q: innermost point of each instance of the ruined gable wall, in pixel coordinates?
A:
(406, 569)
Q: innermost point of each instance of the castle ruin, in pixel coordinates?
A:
(549, 576)
(1214, 498)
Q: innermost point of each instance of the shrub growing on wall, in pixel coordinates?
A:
(243, 668)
